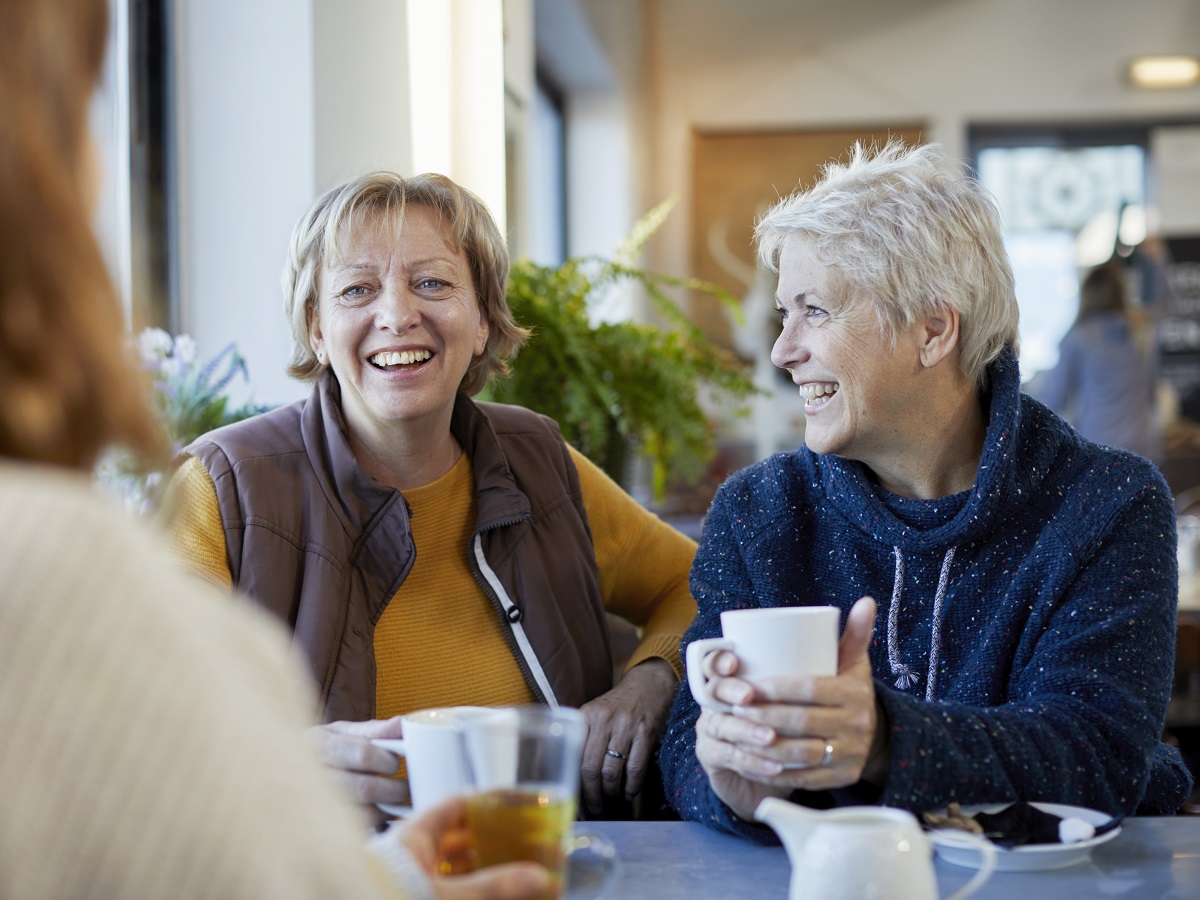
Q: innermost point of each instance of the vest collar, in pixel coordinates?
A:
(359, 499)
(500, 501)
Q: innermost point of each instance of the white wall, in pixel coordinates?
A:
(247, 169)
(361, 83)
(280, 100)
(109, 122)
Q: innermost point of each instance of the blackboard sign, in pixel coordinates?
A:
(1179, 324)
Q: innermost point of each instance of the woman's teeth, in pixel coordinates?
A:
(403, 358)
(817, 393)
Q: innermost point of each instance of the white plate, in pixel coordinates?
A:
(1031, 857)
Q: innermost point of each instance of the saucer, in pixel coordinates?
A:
(396, 812)
(1031, 857)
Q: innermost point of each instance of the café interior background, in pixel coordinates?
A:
(222, 119)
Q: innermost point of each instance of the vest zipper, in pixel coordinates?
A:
(514, 633)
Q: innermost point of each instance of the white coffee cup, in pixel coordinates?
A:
(785, 640)
(433, 751)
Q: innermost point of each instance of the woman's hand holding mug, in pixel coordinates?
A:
(770, 734)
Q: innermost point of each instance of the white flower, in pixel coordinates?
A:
(185, 349)
(171, 368)
(153, 345)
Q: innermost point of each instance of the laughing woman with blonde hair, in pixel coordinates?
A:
(427, 549)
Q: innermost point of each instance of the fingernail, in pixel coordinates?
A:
(772, 767)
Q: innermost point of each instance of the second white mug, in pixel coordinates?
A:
(432, 751)
(783, 640)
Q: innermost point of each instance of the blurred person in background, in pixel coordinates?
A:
(1104, 382)
(149, 725)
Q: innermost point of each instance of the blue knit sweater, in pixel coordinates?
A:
(1044, 669)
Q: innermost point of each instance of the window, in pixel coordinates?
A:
(1069, 198)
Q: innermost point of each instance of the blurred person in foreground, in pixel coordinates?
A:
(1024, 642)
(428, 550)
(149, 725)
(1104, 382)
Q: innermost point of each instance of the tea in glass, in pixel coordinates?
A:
(522, 824)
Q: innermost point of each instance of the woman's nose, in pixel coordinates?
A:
(788, 349)
(397, 310)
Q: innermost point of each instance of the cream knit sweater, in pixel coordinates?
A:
(150, 729)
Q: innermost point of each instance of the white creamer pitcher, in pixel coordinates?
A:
(862, 853)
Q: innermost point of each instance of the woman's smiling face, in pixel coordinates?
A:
(859, 385)
(398, 320)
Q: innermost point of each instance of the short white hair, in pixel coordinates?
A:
(911, 234)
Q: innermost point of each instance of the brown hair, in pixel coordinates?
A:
(381, 197)
(1103, 290)
(67, 387)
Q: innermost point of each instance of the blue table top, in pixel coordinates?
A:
(1151, 858)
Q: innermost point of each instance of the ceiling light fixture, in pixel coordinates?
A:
(1164, 71)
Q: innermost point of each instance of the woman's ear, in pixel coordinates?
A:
(482, 333)
(939, 336)
(316, 340)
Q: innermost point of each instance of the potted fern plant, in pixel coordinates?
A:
(620, 389)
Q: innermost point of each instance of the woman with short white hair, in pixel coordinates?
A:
(1026, 578)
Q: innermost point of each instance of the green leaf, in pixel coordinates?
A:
(618, 389)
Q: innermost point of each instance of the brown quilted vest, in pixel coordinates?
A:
(318, 542)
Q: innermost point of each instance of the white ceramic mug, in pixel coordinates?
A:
(432, 750)
(784, 640)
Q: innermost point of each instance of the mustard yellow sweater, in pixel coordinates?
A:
(439, 642)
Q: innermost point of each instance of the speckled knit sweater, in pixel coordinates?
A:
(1041, 668)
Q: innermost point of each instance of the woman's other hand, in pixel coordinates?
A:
(776, 739)
(365, 770)
(439, 836)
(628, 720)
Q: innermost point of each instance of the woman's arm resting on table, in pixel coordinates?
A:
(628, 720)
(1084, 712)
(643, 565)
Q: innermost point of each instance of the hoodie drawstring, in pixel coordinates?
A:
(905, 676)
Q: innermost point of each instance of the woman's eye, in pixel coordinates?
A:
(813, 312)
(431, 284)
(782, 313)
(354, 292)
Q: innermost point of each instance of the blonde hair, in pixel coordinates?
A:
(67, 385)
(911, 234)
(382, 197)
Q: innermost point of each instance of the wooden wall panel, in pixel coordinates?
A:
(735, 177)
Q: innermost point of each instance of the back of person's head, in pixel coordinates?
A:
(1103, 290)
(66, 386)
(378, 200)
(910, 233)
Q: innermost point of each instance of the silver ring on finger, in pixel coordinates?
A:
(827, 759)
(615, 754)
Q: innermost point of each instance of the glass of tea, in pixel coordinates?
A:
(522, 765)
